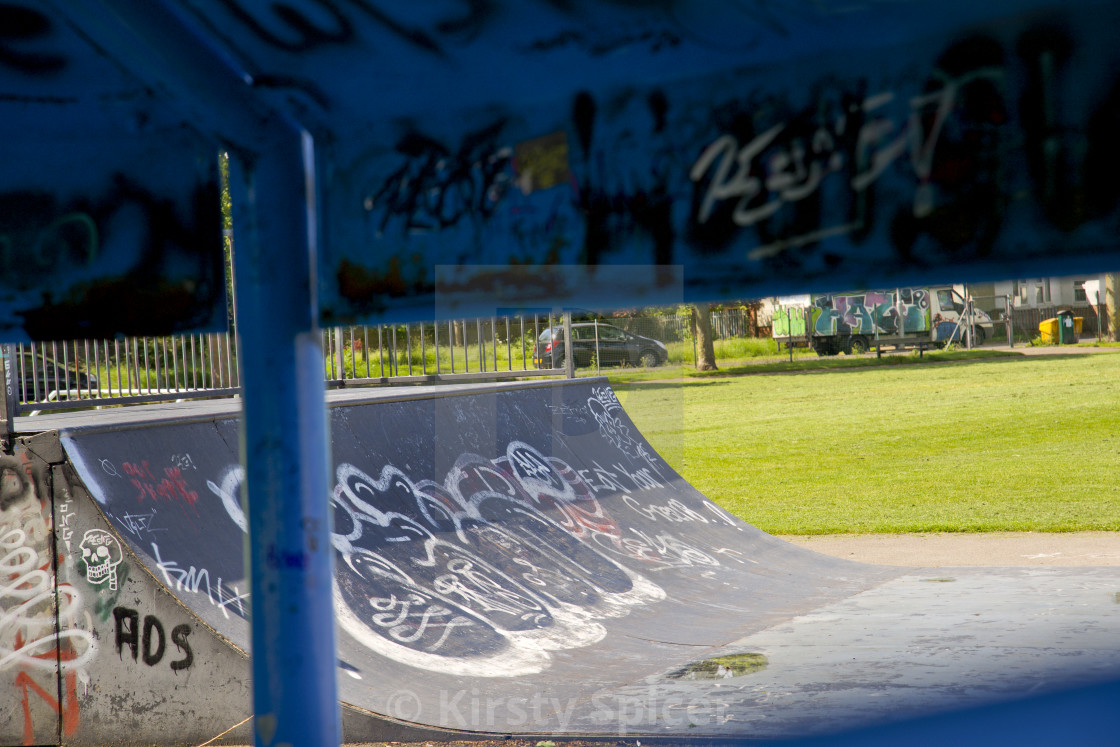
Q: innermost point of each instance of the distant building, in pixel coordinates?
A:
(1033, 293)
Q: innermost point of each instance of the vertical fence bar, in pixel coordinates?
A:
(481, 348)
(194, 364)
(39, 366)
(365, 351)
(218, 347)
(353, 355)
(116, 365)
(214, 361)
(494, 339)
(147, 365)
(23, 372)
(79, 365)
(435, 342)
(380, 353)
(451, 342)
(82, 366)
(536, 339)
(141, 354)
(155, 376)
(90, 373)
(217, 376)
(569, 352)
(66, 368)
(127, 346)
(108, 368)
(97, 367)
(392, 350)
(552, 337)
(466, 350)
(234, 371)
(52, 372)
(174, 344)
(408, 346)
(423, 352)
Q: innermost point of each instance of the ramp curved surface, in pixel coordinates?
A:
(516, 559)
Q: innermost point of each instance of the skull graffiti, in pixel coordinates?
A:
(102, 554)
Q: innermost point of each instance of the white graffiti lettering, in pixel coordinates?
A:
(197, 581)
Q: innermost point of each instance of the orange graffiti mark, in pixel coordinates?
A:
(69, 715)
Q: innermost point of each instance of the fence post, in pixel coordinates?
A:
(597, 353)
(1010, 321)
(569, 354)
(9, 403)
(789, 329)
(1098, 315)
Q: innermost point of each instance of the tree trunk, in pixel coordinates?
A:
(702, 333)
(1112, 302)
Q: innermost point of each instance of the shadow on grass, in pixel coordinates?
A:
(677, 375)
(647, 385)
(832, 364)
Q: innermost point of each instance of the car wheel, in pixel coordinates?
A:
(649, 359)
(858, 345)
(977, 336)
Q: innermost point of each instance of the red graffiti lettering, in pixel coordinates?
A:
(171, 487)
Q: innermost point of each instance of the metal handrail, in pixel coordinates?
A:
(81, 374)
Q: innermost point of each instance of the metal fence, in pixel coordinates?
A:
(1094, 324)
(726, 324)
(85, 373)
(462, 349)
(97, 373)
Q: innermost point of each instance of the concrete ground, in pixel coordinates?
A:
(920, 550)
(971, 549)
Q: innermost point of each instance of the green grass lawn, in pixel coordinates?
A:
(970, 445)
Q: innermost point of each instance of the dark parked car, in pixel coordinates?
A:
(55, 381)
(615, 347)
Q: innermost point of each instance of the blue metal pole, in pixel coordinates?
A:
(285, 447)
(285, 450)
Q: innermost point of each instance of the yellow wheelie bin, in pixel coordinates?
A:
(1048, 328)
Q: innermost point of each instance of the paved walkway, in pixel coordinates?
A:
(972, 549)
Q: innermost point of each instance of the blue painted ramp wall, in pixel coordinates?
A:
(465, 151)
(467, 155)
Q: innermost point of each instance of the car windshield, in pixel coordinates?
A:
(546, 335)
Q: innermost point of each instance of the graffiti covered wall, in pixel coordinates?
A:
(466, 152)
(91, 650)
(47, 640)
(109, 200)
(765, 149)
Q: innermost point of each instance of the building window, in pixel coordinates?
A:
(1079, 291)
(1042, 291)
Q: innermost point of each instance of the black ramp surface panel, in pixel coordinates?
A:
(517, 558)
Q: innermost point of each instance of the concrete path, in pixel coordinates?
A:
(970, 549)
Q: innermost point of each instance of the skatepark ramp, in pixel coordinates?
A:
(510, 559)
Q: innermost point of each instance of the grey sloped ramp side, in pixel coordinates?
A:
(502, 552)
(117, 659)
